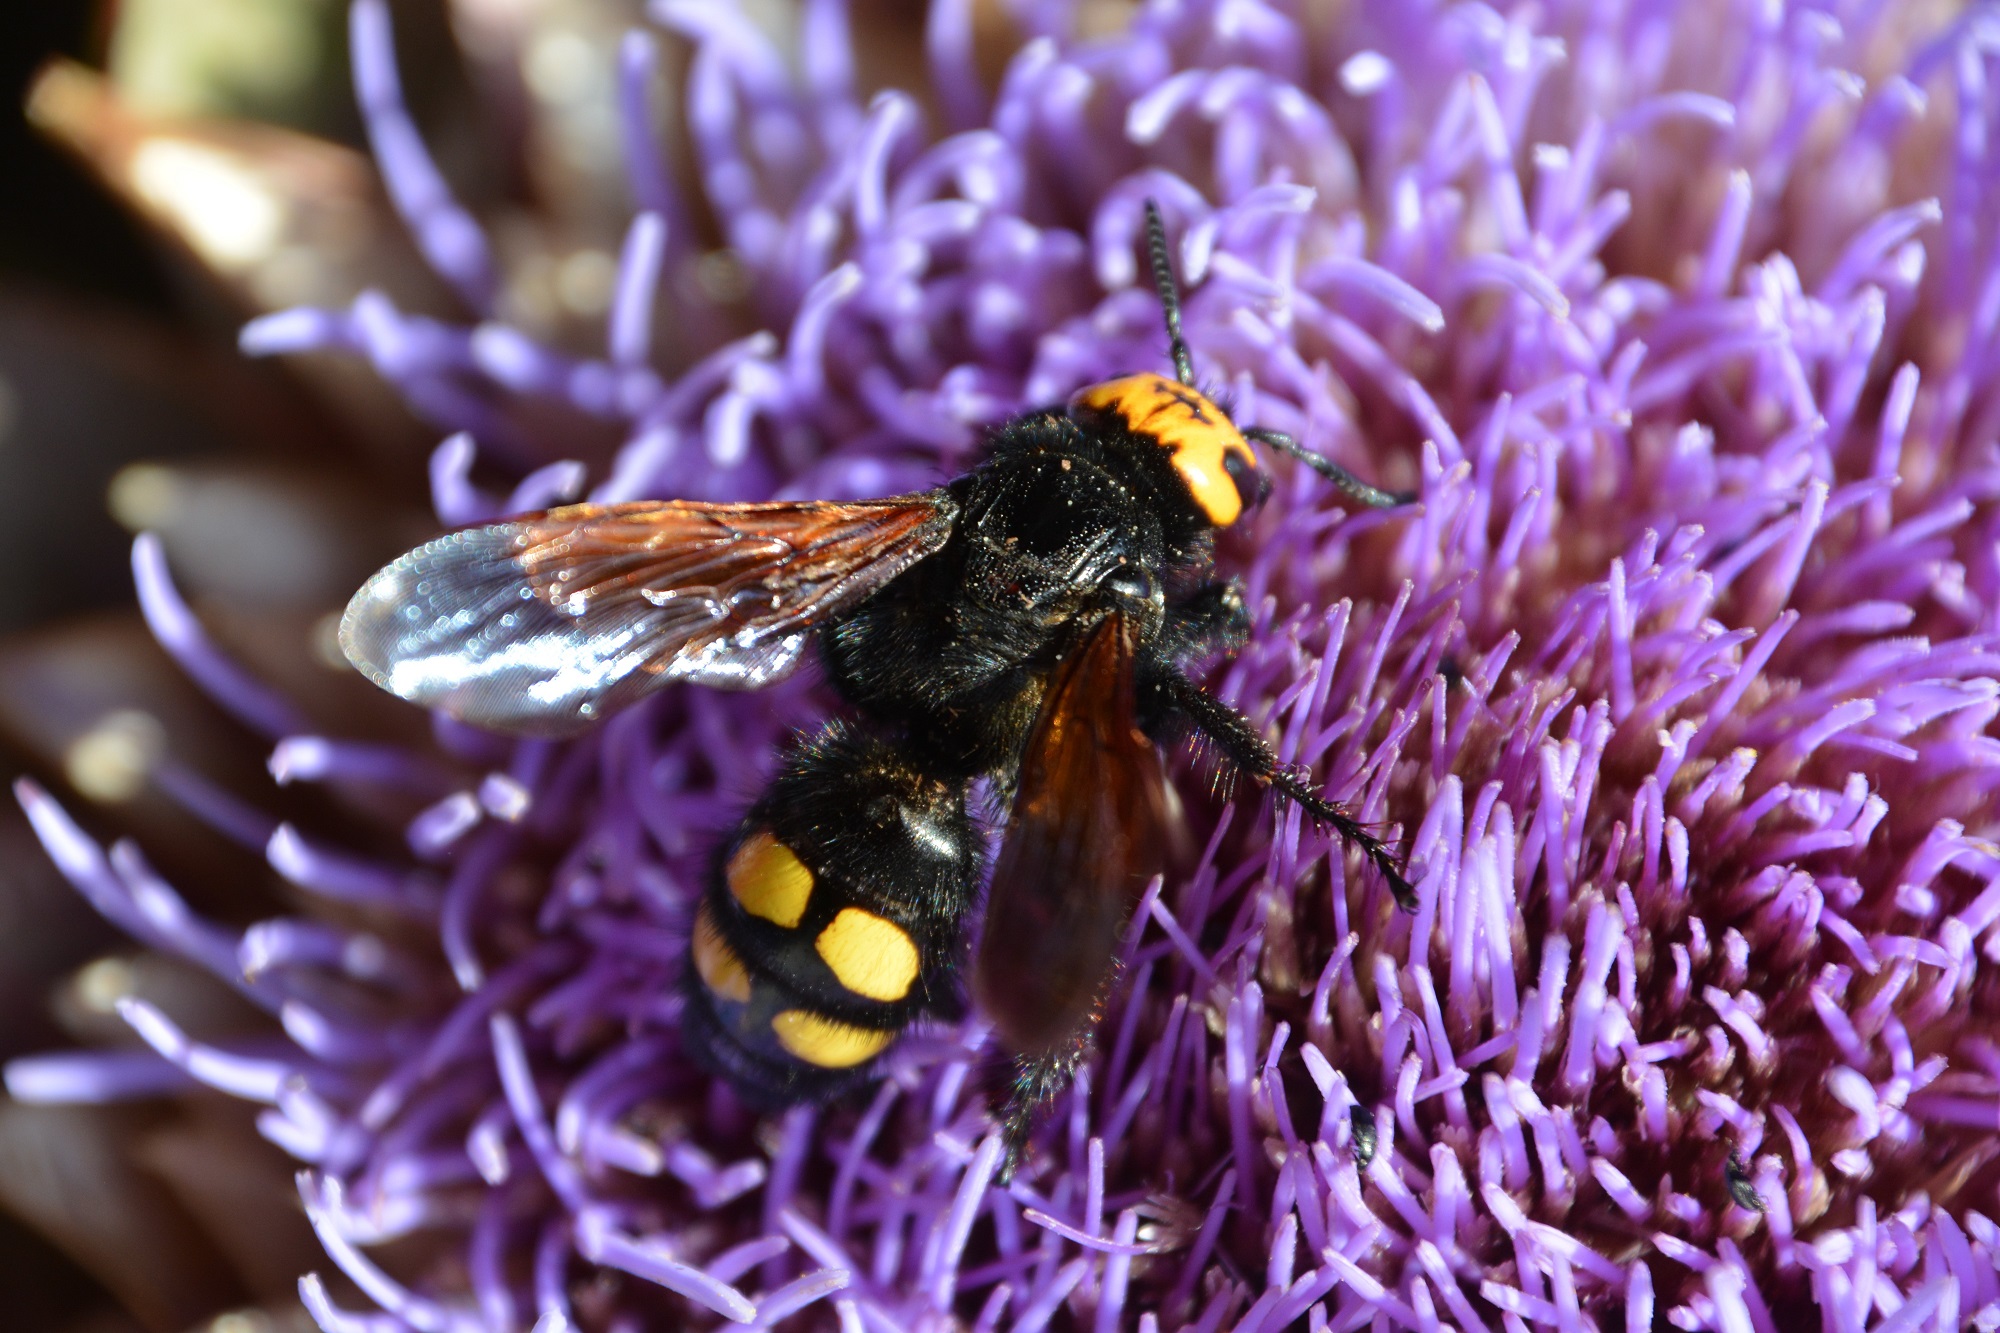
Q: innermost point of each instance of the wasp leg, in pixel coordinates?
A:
(1213, 621)
(1037, 1081)
(1175, 698)
(1344, 481)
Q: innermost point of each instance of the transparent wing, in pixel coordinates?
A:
(544, 624)
(1084, 835)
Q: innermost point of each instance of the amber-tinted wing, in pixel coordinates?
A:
(1084, 835)
(544, 624)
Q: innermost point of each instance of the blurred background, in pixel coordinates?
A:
(168, 170)
(128, 259)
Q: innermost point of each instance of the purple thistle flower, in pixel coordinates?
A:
(1680, 684)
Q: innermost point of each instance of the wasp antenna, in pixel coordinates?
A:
(1344, 481)
(1170, 293)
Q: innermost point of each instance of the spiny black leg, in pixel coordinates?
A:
(1170, 296)
(1213, 619)
(1037, 1082)
(1231, 733)
(1344, 481)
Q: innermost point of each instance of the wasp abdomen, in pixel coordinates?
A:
(774, 1044)
(831, 921)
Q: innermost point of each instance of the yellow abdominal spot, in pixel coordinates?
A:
(716, 963)
(1199, 435)
(826, 1042)
(769, 880)
(872, 957)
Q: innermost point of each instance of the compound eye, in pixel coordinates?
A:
(1253, 485)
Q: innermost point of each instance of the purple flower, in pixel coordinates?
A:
(1680, 684)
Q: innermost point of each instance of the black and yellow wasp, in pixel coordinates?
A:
(1030, 623)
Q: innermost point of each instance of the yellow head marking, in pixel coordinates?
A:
(827, 1042)
(872, 957)
(769, 880)
(1200, 437)
(716, 963)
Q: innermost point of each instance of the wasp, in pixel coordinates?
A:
(1031, 623)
